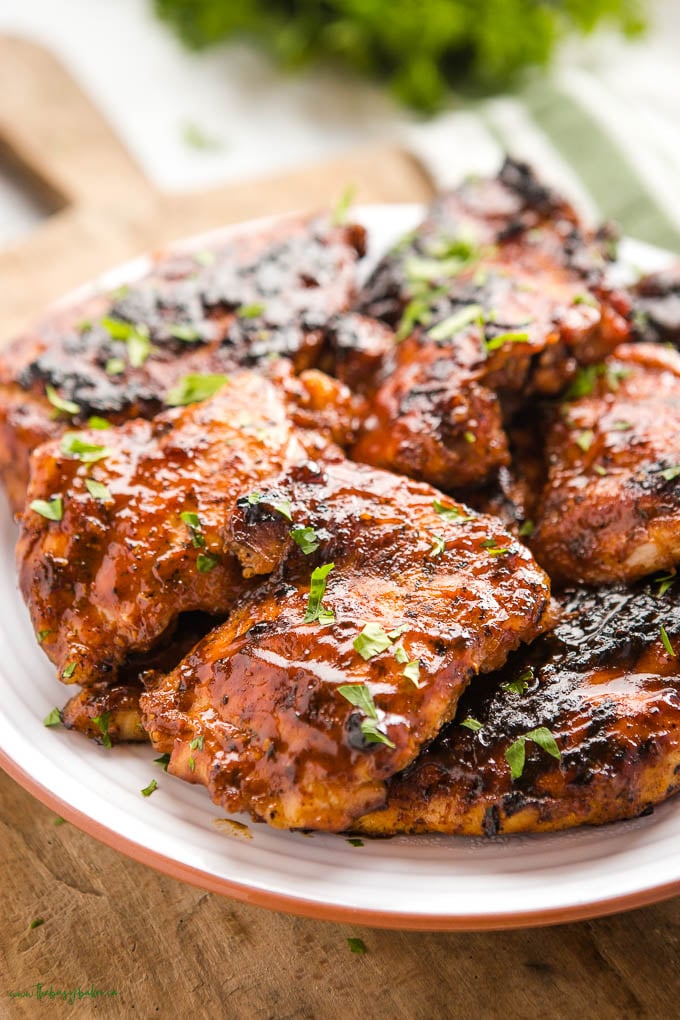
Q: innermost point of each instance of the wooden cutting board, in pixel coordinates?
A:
(105, 211)
(79, 915)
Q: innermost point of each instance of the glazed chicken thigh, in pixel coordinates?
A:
(383, 601)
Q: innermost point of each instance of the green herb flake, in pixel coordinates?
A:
(586, 299)
(74, 445)
(412, 672)
(670, 474)
(355, 841)
(68, 670)
(98, 490)
(315, 611)
(205, 563)
(164, 761)
(342, 207)
(665, 582)
(194, 388)
(515, 754)
(37, 922)
(469, 437)
(252, 311)
(42, 634)
(583, 383)
(195, 137)
(472, 724)
(136, 338)
(494, 549)
(374, 735)
(51, 510)
(601, 471)
(306, 538)
(98, 424)
(400, 654)
(148, 790)
(62, 405)
(193, 523)
(585, 439)
(667, 641)
(438, 546)
(417, 312)
(357, 945)
(205, 258)
(521, 684)
(197, 743)
(183, 331)
(52, 718)
(359, 696)
(622, 426)
(102, 723)
(451, 513)
(59, 821)
(114, 366)
(511, 337)
(527, 529)
(283, 507)
(447, 328)
(371, 641)
(192, 764)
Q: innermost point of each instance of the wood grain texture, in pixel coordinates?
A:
(168, 949)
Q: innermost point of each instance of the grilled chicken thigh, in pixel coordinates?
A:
(499, 295)
(123, 530)
(587, 718)
(610, 510)
(383, 602)
(121, 355)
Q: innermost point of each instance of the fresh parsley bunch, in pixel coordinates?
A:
(419, 47)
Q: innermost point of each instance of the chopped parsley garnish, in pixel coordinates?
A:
(41, 920)
(601, 471)
(98, 490)
(586, 299)
(371, 641)
(438, 546)
(670, 474)
(52, 718)
(421, 270)
(417, 312)
(585, 439)
(73, 445)
(283, 507)
(315, 610)
(114, 366)
(665, 582)
(98, 424)
(193, 523)
(521, 684)
(472, 724)
(515, 755)
(342, 206)
(306, 538)
(451, 513)
(667, 641)
(527, 529)
(136, 338)
(42, 634)
(254, 498)
(197, 743)
(192, 764)
(194, 388)
(205, 563)
(356, 945)
(355, 841)
(412, 672)
(52, 510)
(400, 653)
(252, 311)
(60, 403)
(68, 670)
(469, 437)
(102, 723)
(183, 331)
(148, 790)
(511, 337)
(494, 549)
(360, 696)
(164, 760)
(447, 328)
(583, 383)
(622, 426)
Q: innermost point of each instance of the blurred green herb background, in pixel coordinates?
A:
(420, 48)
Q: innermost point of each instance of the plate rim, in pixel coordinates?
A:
(182, 871)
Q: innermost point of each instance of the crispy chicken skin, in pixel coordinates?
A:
(256, 711)
(608, 691)
(111, 577)
(258, 295)
(610, 510)
(503, 294)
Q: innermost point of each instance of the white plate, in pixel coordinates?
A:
(411, 882)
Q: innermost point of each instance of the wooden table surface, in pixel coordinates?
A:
(167, 949)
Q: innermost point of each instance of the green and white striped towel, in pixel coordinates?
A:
(604, 128)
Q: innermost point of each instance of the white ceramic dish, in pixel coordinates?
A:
(409, 882)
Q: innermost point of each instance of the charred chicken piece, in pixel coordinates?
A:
(382, 602)
(123, 527)
(656, 307)
(500, 293)
(118, 356)
(587, 719)
(610, 510)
